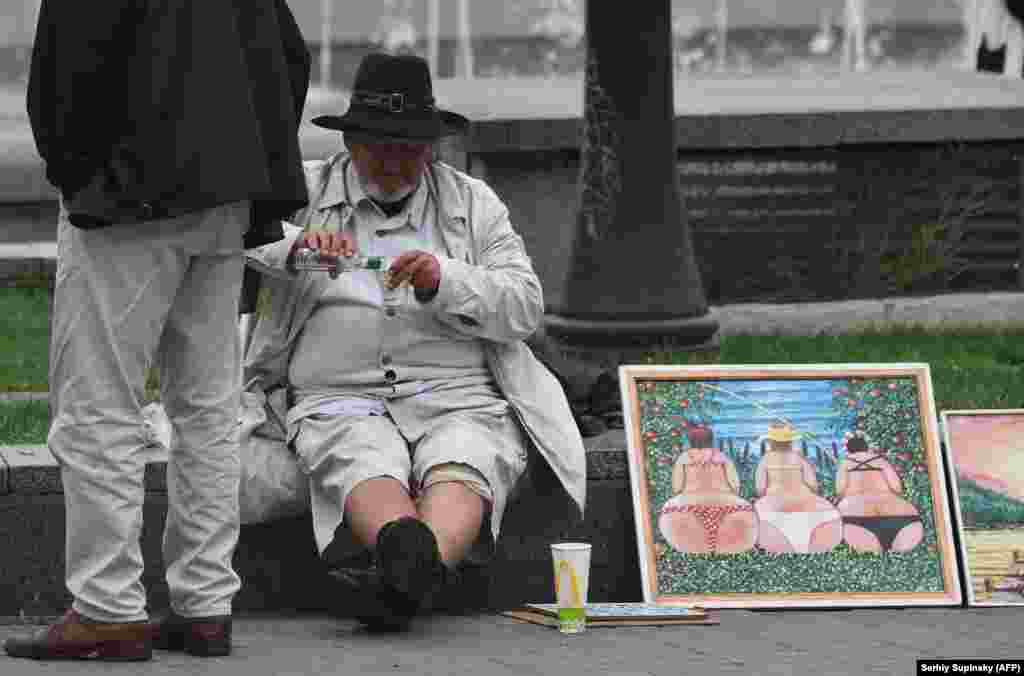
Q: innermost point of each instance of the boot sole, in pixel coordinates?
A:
(179, 644)
(111, 651)
(409, 560)
(373, 602)
(171, 640)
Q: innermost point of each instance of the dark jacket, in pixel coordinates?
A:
(145, 109)
(1016, 8)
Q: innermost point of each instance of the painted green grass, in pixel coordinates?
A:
(840, 570)
(982, 508)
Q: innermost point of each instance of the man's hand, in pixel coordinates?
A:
(332, 244)
(419, 268)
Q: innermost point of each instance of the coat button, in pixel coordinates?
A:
(390, 375)
(385, 359)
(390, 312)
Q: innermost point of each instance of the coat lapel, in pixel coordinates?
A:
(452, 216)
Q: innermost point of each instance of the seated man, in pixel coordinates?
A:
(412, 396)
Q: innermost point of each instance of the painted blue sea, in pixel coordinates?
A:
(749, 406)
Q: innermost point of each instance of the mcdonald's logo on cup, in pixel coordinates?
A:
(572, 576)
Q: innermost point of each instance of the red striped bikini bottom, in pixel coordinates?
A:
(711, 516)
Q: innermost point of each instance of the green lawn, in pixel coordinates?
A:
(972, 368)
(24, 339)
(24, 422)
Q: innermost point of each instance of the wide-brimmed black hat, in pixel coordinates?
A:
(393, 97)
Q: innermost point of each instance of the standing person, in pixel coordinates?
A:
(997, 28)
(170, 129)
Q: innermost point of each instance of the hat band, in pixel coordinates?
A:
(394, 102)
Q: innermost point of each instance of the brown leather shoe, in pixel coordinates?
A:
(74, 638)
(199, 636)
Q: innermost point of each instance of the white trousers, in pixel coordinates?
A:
(127, 297)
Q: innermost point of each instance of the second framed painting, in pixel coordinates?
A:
(987, 451)
(789, 486)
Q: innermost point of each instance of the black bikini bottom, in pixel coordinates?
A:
(885, 528)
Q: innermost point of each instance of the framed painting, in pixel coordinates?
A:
(986, 448)
(789, 486)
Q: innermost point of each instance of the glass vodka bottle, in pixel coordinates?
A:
(307, 259)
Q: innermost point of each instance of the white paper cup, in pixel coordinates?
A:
(572, 577)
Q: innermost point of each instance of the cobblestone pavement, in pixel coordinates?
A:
(800, 642)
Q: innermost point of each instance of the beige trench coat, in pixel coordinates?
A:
(489, 290)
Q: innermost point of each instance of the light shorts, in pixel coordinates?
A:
(458, 473)
(484, 449)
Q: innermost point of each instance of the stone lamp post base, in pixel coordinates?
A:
(585, 356)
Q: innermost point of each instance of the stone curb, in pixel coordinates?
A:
(32, 469)
(13, 269)
(947, 311)
(32, 518)
(24, 396)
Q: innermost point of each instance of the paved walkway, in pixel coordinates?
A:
(811, 643)
(11, 251)
(12, 101)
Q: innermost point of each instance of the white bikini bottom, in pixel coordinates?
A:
(797, 526)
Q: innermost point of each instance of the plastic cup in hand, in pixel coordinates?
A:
(394, 296)
(572, 576)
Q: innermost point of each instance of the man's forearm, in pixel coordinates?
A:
(503, 304)
(275, 259)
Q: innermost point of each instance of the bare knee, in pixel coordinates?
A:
(373, 503)
(453, 503)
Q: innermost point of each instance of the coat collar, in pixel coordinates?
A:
(332, 179)
(439, 182)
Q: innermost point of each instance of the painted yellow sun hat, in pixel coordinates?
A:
(781, 432)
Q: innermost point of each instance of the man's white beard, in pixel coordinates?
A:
(376, 193)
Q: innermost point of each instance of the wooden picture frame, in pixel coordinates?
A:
(986, 451)
(789, 486)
